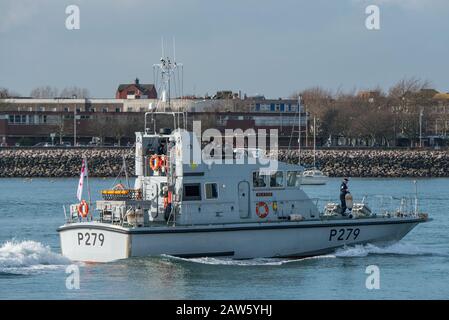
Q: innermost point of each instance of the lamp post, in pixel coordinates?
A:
(74, 121)
(420, 127)
(74, 126)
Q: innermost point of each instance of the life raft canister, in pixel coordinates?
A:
(155, 162)
(83, 209)
(163, 162)
(348, 199)
(262, 213)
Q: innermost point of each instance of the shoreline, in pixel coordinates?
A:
(107, 162)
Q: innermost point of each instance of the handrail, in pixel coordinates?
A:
(176, 120)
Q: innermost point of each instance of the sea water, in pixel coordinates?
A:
(31, 266)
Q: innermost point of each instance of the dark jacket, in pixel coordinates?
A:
(343, 189)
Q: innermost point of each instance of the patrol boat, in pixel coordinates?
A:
(185, 207)
(234, 210)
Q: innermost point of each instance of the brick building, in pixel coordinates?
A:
(29, 121)
(136, 90)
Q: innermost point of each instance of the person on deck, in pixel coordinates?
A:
(343, 191)
(161, 150)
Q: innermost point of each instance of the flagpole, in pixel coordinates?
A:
(88, 187)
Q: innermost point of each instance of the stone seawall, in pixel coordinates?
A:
(374, 163)
(63, 162)
(336, 163)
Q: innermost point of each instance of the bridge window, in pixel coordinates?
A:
(259, 180)
(277, 179)
(192, 191)
(293, 178)
(211, 190)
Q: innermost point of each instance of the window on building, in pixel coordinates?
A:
(277, 179)
(66, 109)
(211, 190)
(11, 119)
(293, 178)
(105, 110)
(259, 180)
(42, 119)
(192, 191)
(117, 109)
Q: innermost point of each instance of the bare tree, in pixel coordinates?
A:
(408, 97)
(65, 127)
(74, 91)
(316, 99)
(4, 93)
(100, 126)
(406, 87)
(44, 92)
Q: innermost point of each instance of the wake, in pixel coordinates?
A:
(398, 248)
(28, 257)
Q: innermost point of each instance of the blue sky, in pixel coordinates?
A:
(256, 46)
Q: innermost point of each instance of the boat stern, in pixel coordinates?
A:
(93, 242)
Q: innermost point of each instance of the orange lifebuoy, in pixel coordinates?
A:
(83, 209)
(265, 212)
(155, 162)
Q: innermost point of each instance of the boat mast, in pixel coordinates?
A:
(166, 69)
(314, 142)
(299, 130)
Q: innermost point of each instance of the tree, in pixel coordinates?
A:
(48, 92)
(100, 126)
(407, 101)
(65, 127)
(4, 93)
(120, 128)
(316, 100)
(74, 91)
(44, 92)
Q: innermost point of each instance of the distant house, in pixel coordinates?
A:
(136, 90)
(370, 96)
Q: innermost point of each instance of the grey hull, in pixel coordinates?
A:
(243, 241)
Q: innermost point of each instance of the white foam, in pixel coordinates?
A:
(398, 248)
(246, 262)
(26, 257)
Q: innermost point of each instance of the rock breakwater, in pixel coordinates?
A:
(336, 163)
